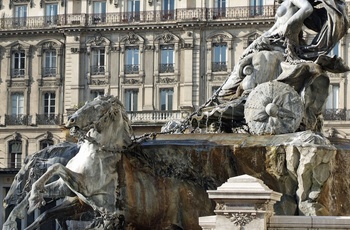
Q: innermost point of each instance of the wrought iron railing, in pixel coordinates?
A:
(335, 114)
(188, 14)
(20, 119)
(46, 119)
(218, 66)
(17, 73)
(166, 68)
(49, 71)
(153, 116)
(98, 70)
(132, 69)
(13, 164)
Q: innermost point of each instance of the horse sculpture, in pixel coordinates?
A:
(91, 175)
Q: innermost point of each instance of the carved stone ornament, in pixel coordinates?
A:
(97, 40)
(48, 135)
(241, 219)
(167, 80)
(16, 136)
(12, 2)
(49, 46)
(132, 81)
(133, 38)
(99, 82)
(168, 37)
(219, 38)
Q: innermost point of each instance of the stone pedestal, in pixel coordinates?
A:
(243, 202)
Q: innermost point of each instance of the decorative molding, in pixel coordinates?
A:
(132, 81)
(167, 80)
(16, 136)
(99, 82)
(241, 219)
(48, 135)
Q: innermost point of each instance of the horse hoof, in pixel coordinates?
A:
(35, 202)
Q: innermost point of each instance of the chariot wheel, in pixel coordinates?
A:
(273, 108)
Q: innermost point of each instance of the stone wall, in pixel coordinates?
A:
(164, 182)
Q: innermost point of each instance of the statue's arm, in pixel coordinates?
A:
(305, 10)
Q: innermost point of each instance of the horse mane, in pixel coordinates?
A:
(114, 124)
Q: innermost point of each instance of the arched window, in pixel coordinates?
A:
(15, 154)
(45, 143)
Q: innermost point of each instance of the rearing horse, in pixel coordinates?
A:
(91, 175)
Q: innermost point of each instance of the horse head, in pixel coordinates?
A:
(106, 116)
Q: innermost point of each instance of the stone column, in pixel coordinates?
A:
(243, 202)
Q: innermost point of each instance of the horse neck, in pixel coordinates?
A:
(111, 138)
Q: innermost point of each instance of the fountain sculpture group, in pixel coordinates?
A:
(115, 182)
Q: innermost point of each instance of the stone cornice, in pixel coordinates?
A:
(148, 26)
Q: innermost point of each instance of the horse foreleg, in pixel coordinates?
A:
(73, 180)
(17, 212)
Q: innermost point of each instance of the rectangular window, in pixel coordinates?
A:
(17, 103)
(131, 96)
(15, 148)
(220, 9)
(219, 57)
(45, 143)
(96, 93)
(98, 62)
(49, 103)
(166, 99)
(51, 13)
(214, 89)
(168, 9)
(18, 64)
(167, 59)
(333, 97)
(20, 16)
(99, 11)
(50, 64)
(134, 10)
(132, 60)
(256, 7)
(334, 51)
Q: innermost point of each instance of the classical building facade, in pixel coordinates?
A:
(162, 58)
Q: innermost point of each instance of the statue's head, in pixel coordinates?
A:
(105, 115)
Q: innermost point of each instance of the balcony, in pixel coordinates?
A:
(219, 66)
(18, 73)
(336, 115)
(46, 119)
(131, 69)
(13, 164)
(166, 68)
(120, 18)
(153, 116)
(98, 70)
(49, 71)
(16, 119)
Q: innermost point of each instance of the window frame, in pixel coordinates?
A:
(50, 105)
(167, 58)
(131, 66)
(17, 101)
(220, 64)
(98, 61)
(20, 13)
(15, 158)
(167, 106)
(131, 99)
(18, 64)
(99, 10)
(51, 13)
